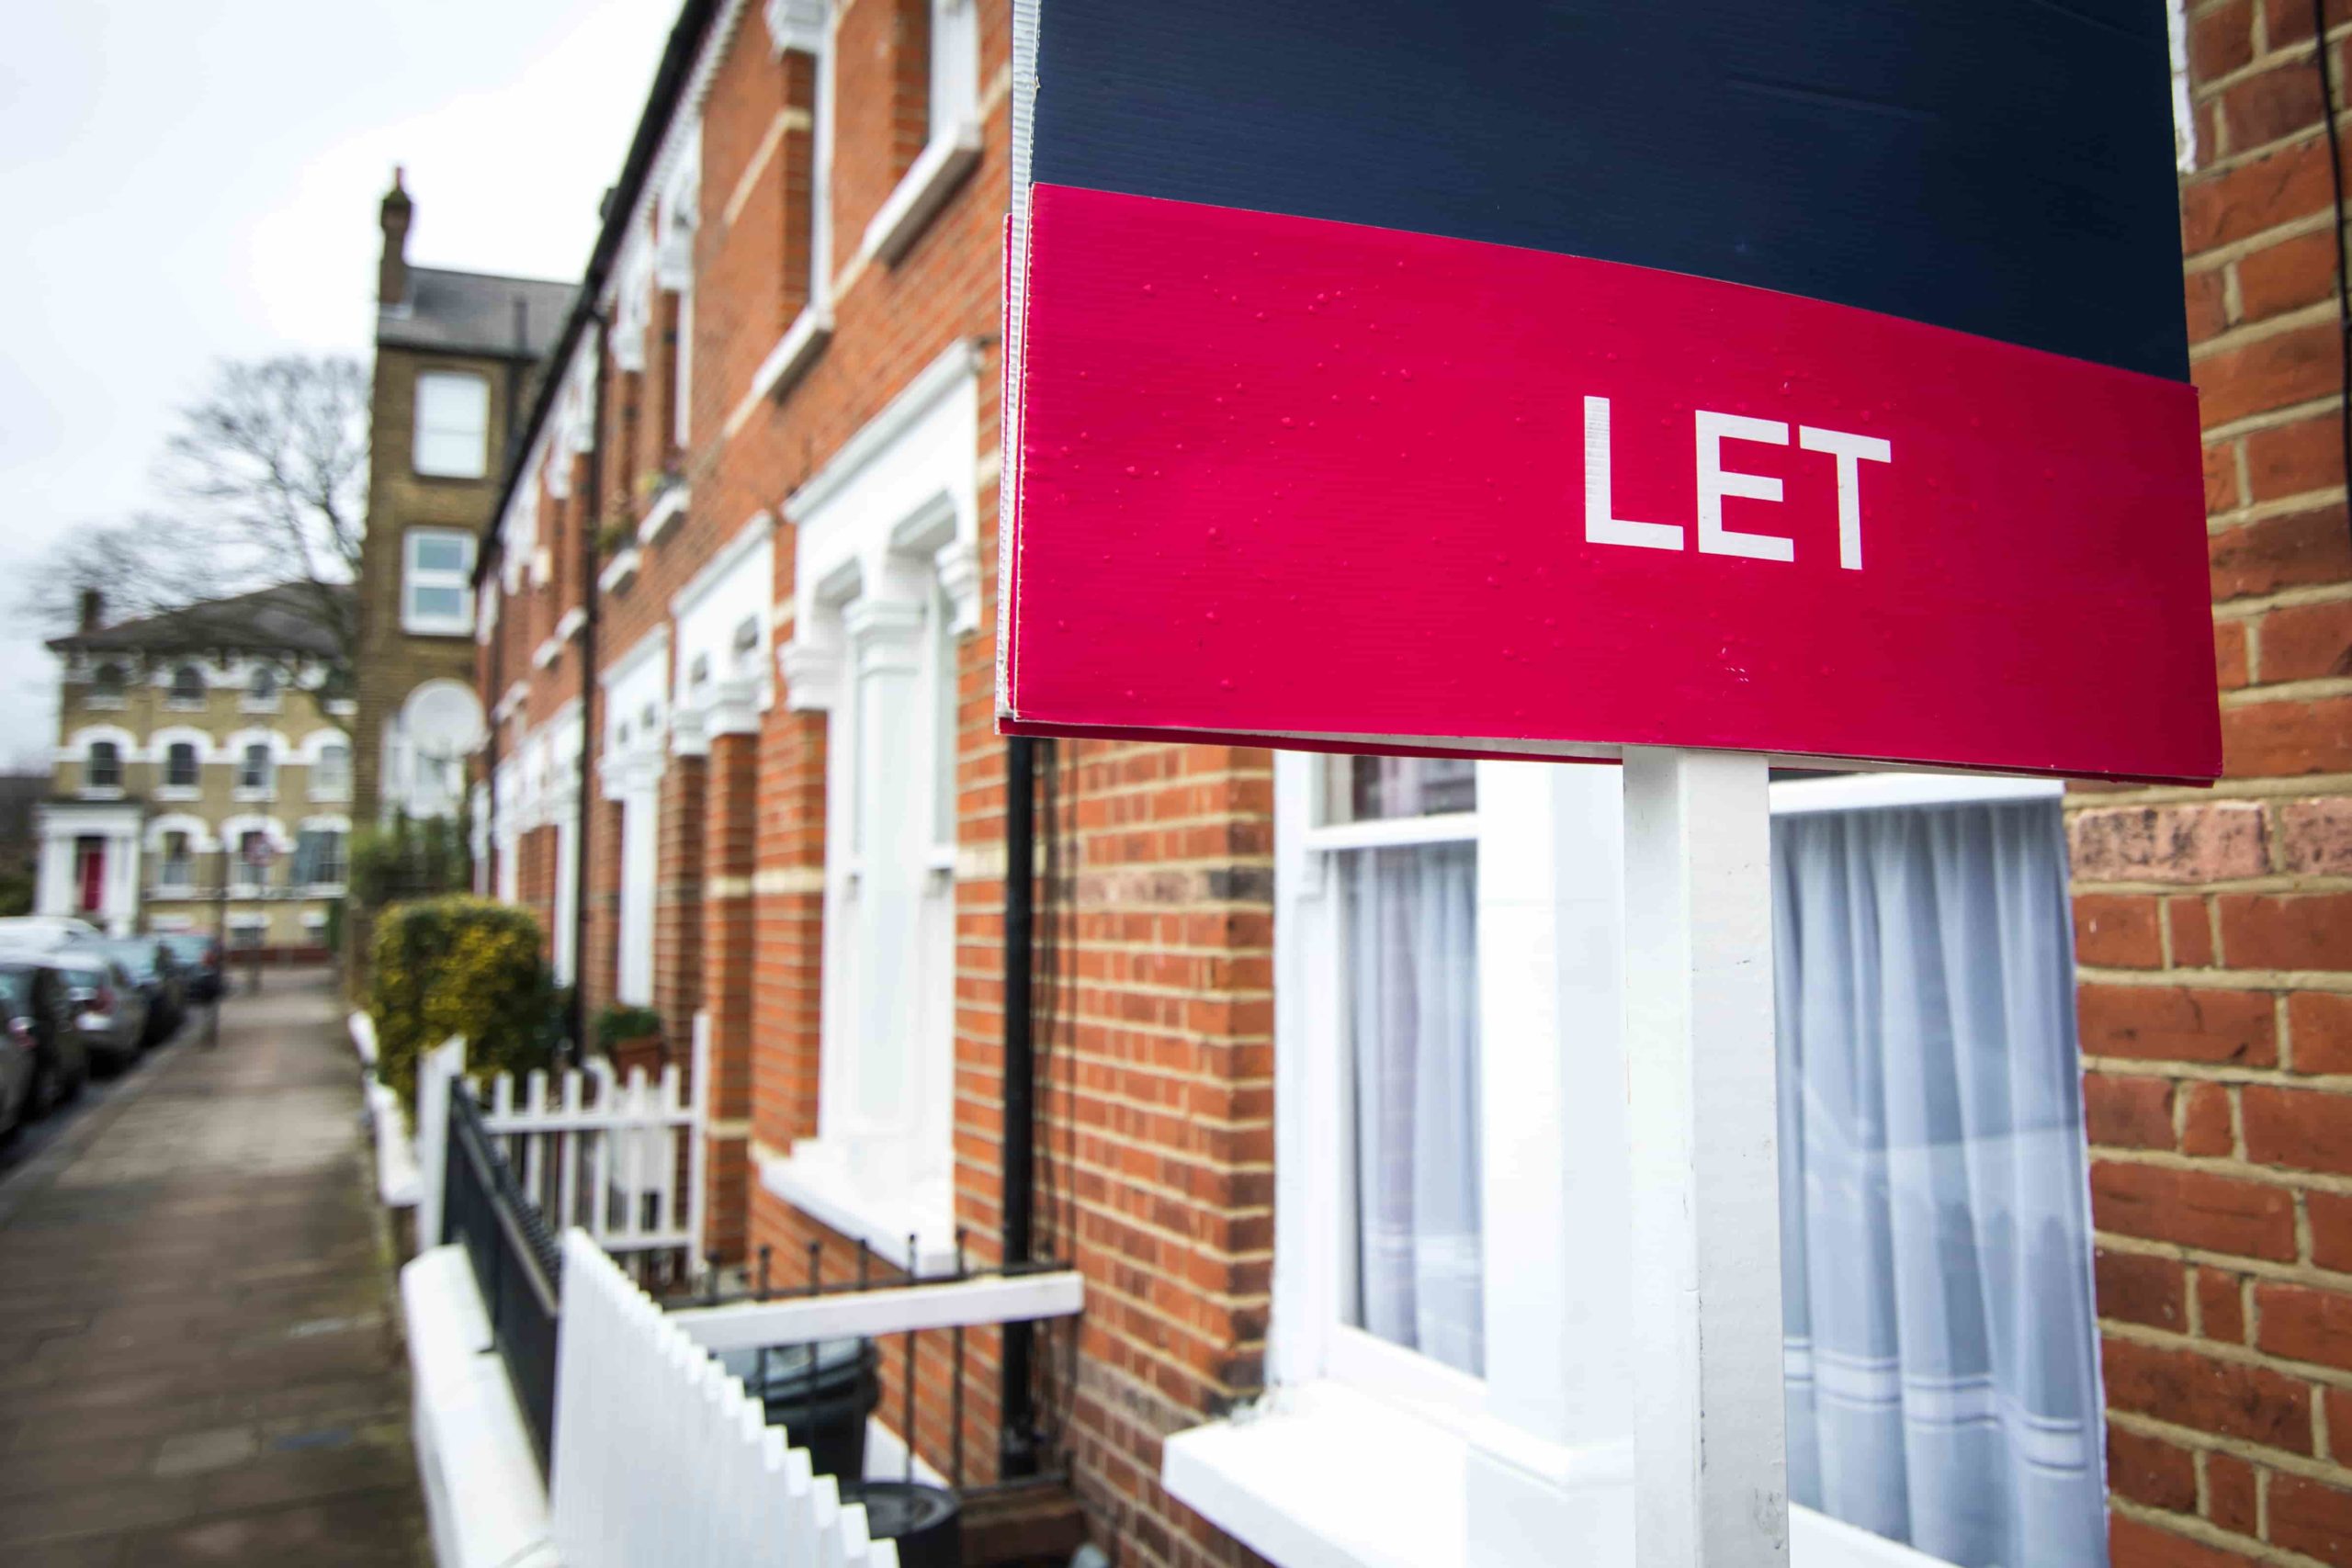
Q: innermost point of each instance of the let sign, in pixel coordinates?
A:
(1394, 375)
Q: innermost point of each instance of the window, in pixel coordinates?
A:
(952, 143)
(1409, 957)
(319, 858)
(188, 687)
(436, 592)
(1943, 1373)
(452, 424)
(180, 765)
(104, 770)
(262, 690)
(256, 769)
(107, 685)
(175, 870)
(330, 775)
(1447, 950)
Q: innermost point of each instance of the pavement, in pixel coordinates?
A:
(200, 1360)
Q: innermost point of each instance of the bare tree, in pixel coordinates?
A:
(267, 475)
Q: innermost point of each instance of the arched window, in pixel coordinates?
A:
(180, 765)
(106, 682)
(105, 768)
(261, 692)
(188, 687)
(330, 775)
(255, 769)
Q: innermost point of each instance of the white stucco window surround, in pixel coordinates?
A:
(256, 755)
(180, 753)
(245, 878)
(721, 682)
(805, 26)
(179, 845)
(105, 753)
(635, 756)
(883, 597)
(953, 147)
(677, 215)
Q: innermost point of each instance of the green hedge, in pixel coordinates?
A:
(458, 965)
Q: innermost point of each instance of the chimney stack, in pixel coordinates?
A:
(391, 274)
(94, 607)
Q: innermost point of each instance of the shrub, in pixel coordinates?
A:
(408, 858)
(621, 1022)
(458, 965)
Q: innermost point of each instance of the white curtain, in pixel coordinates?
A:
(1943, 1380)
(1413, 1025)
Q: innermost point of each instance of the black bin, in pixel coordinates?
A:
(825, 1413)
(926, 1521)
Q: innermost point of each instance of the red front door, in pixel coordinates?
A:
(90, 871)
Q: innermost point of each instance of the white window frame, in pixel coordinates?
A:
(121, 760)
(415, 576)
(476, 386)
(1544, 1442)
(331, 783)
(167, 786)
(952, 145)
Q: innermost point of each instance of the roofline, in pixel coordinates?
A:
(670, 80)
(493, 276)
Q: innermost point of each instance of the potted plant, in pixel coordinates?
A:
(631, 1037)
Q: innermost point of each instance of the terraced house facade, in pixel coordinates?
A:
(1305, 1048)
(200, 753)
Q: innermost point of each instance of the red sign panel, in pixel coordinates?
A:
(1306, 481)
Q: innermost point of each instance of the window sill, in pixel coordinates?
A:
(179, 792)
(184, 704)
(1333, 1478)
(619, 571)
(247, 796)
(669, 510)
(437, 626)
(817, 1179)
(793, 353)
(106, 704)
(101, 792)
(251, 706)
(939, 169)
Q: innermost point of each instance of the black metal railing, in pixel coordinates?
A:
(516, 1266)
(822, 1393)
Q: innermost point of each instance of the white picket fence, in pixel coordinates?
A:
(622, 1159)
(662, 1457)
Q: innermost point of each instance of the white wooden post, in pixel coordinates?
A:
(698, 1141)
(436, 1076)
(1711, 1467)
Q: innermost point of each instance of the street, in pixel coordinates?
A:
(199, 1360)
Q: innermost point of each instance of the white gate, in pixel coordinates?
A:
(621, 1160)
(662, 1457)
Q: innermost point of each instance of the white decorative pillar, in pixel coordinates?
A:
(887, 837)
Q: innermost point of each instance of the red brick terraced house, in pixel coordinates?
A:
(1322, 1048)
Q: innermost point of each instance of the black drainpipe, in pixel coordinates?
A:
(1017, 1436)
(591, 499)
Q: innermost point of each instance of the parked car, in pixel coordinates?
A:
(44, 1061)
(148, 962)
(44, 934)
(107, 1013)
(200, 963)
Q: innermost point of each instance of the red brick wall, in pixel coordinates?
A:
(2215, 929)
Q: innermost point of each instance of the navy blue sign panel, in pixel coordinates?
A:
(2000, 167)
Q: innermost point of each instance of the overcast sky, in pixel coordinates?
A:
(198, 181)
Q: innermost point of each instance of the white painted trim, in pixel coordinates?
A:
(619, 571)
(849, 1315)
(793, 353)
(484, 1496)
(959, 361)
(669, 509)
(654, 643)
(568, 624)
(722, 563)
(922, 192)
(820, 1187)
(1865, 792)
(1387, 832)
